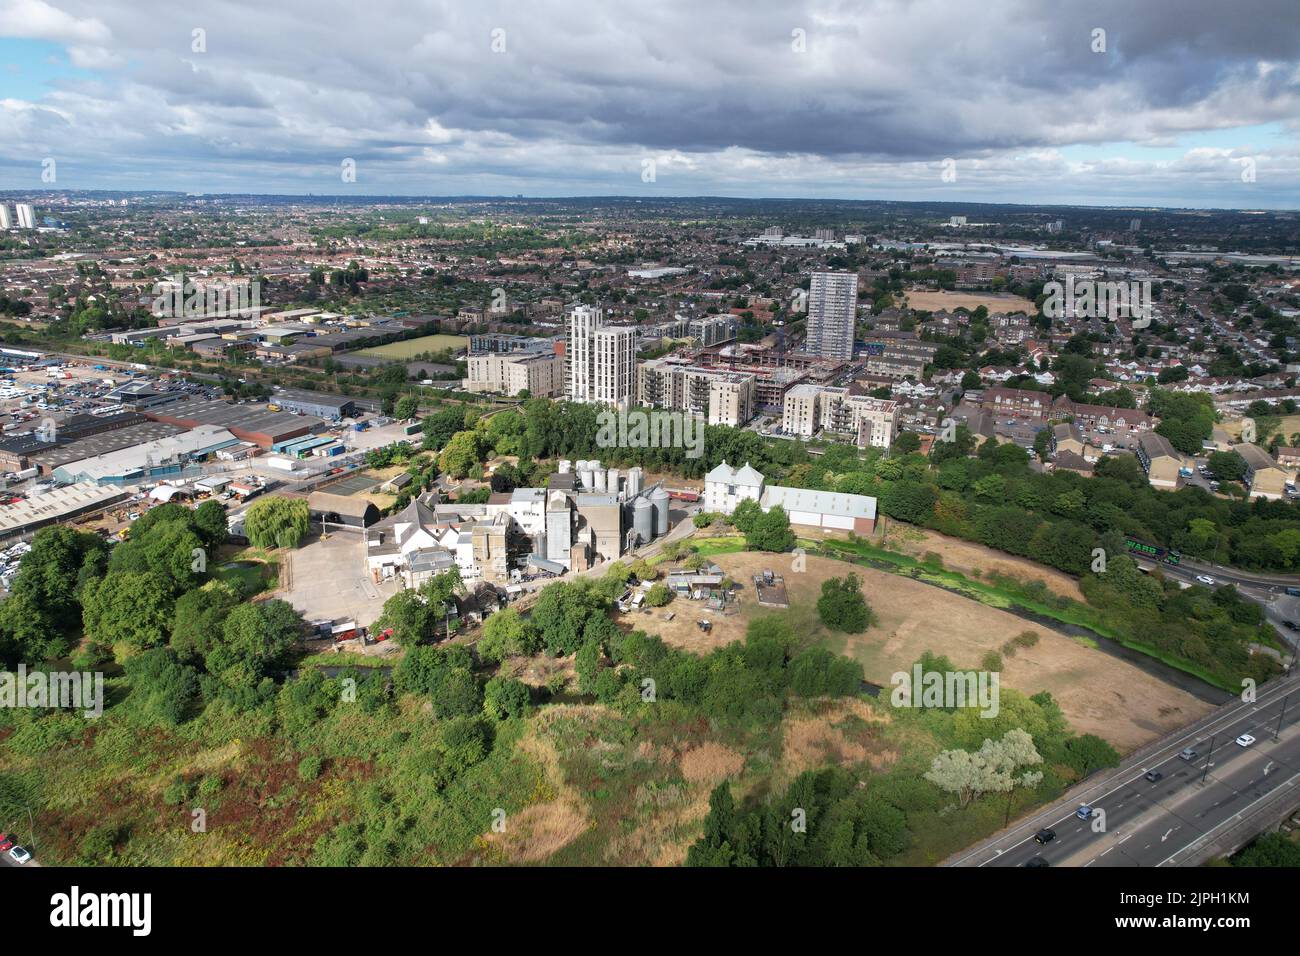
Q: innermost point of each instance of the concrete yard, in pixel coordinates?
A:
(327, 580)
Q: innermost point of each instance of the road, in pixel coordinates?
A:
(1195, 810)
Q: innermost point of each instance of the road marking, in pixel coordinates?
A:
(1166, 836)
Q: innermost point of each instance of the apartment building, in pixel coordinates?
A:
(1159, 459)
(723, 397)
(599, 360)
(712, 330)
(832, 313)
(1264, 477)
(873, 422)
(509, 373)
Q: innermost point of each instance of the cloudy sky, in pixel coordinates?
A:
(1157, 102)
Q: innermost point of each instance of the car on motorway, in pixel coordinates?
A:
(1155, 776)
(1037, 861)
(1044, 836)
(1291, 625)
(1293, 592)
(1245, 740)
(1085, 812)
(19, 855)
(1188, 754)
(1205, 579)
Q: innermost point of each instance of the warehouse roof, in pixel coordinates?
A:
(819, 502)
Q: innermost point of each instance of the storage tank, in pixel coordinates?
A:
(643, 519)
(659, 498)
(598, 479)
(634, 481)
(611, 481)
(565, 466)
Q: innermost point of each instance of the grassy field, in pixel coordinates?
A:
(413, 347)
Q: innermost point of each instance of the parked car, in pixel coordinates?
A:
(1155, 776)
(1245, 740)
(1044, 836)
(6, 844)
(19, 855)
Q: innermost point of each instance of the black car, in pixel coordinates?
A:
(1037, 861)
(1155, 776)
(1291, 625)
(1044, 836)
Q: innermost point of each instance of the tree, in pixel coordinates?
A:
(1227, 465)
(277, 522)
(771, 531)
(842, 607)
(255, 641)
(407, 407)
(508, 634)
(746, 513)
(128, 607)
(906, 443)
(409, 616)
(210, 524)
(462, 454)
(162, 688)
(991, 769)
(505, 697)
(658, 595)
(198, 619)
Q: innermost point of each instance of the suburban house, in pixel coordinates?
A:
(1160, 460)
(1264, 477)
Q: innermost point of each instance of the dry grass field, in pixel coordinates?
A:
(1098, 693)
(413, 347)
(939, 301)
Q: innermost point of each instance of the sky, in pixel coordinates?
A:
(1184, 103)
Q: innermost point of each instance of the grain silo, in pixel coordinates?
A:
(659, 498)
(634, 481)
(643, 519)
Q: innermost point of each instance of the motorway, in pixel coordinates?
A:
(1176, 820)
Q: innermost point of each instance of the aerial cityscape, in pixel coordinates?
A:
(803, 434)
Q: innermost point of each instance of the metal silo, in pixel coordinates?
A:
(565, 466)
(643, 519)
(634, 481)
(611, 481)
(659, 498)
(598, 479)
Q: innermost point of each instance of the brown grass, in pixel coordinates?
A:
(710, 763)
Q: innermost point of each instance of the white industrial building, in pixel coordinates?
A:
(725, 487)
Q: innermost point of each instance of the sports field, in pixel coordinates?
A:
(413, 347)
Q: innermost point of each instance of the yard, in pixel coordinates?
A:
(1098, 693)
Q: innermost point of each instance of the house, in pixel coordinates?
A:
(725, 487)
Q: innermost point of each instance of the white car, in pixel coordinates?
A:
(1245, 740)
(19, 855)
(1205, 579)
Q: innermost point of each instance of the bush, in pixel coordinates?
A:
(309, 768)
(658, 595)
(991, 661)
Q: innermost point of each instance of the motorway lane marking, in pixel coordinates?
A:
(1235, 818)
(1167, 832)
(1228, 718)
